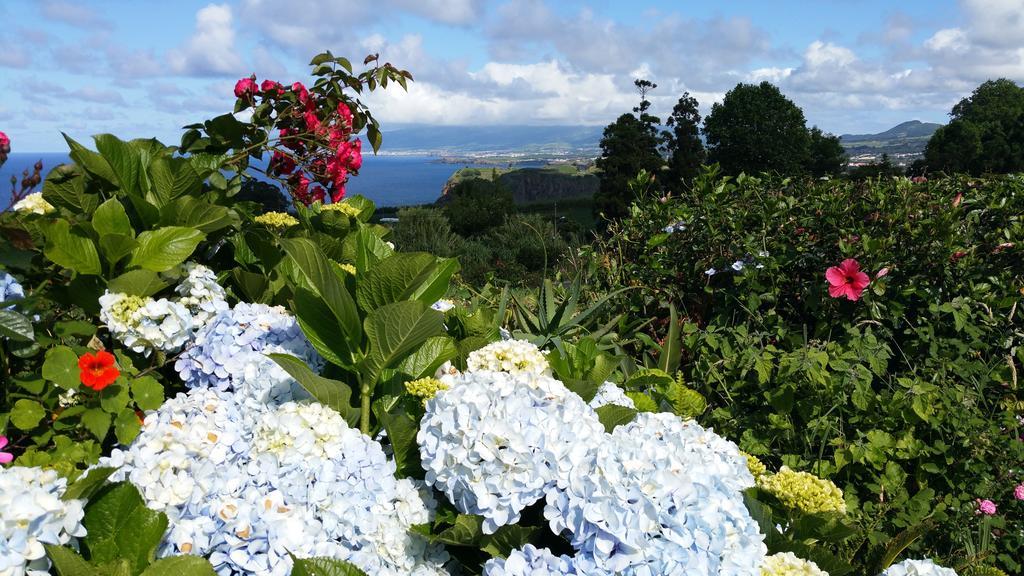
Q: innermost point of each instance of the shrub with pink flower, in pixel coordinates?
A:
(847, 280)
(1018, 492)
(986, 507)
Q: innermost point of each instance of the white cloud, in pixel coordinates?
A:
(73, 13)
(457, 12)
(211, 49)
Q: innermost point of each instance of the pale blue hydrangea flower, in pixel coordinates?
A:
(33, 513)
(925, 567)
(654, 499)
(608, 394)
(245, 488)
(530, 561)
(144, 324)
(443, 305)
(230, 353)
(738, 265)
(710, 272)
(200, 293)
(496, 442)
(677, 226)
(10, 289)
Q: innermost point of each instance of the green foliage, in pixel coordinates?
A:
(475, 206)
(757, 129)
(628, 146)
(827, 155)
(907, 399)
(683, 145)
(985, 133)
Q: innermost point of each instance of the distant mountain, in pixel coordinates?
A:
(908, 130)
(494, 139)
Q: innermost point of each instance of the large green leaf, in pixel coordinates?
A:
(404, 276)
(26, 414)
(321, 328)
(396, 330)
(137, 283)
(88, 483)
(180, 566)
(172, 177)
(401, 429)
(612, 416)
(93, 163)
(164, 248)
(71, 248)
(366, 249)
(467, 530)
(124, 161)
(120, 526)
(425, 361)
(61, 367)
(195, 213)
(506, 539)
(323, 567)
(16, 326)
(111, 218)
(67, 562)
(64, 187)
(116, 246)
(320, 272)
(332, 393)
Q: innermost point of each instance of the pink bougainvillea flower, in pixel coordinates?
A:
(1018, 492)
(986, 507)
(847, 280)
(5, 457)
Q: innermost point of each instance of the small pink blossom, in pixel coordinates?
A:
(5, 457)
(986, 507)
(882, 273)
(5, 142)
(1018, 492)
(847, 280)
(271, 88)
(958, 199)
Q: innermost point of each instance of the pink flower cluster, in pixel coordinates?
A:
(986, 507)
(317, 151)
(1018, 492)
(5, 147)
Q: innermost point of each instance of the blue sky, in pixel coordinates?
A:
(145, 68)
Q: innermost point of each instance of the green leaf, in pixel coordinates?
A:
(323, 567)
(64, 187)
(332, 393)
(94, 163)
(116, 246)
(643, 402)
(115, 397)
(466, 531)
(192, 212)
(26, 414)
(120, 526)
(67, 562)
(147, 392)
(507, 539)
(321, 328)
(110, 218)
(97, 422)
(320, 273)
(671, 350)
(124, 161)
(88, 484)
(405, 276)
(164, 248)
(16, 326)
(180, 566)
(402, 430)
(172, 177)
(425, 361)
(396, 330)
(649, 379)
(137, 283)
(61, 367)
(127, 426)
(611, 416)
(71, 248)
(686, 402)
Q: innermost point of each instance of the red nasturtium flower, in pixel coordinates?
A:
(847, 280)
(99, 371)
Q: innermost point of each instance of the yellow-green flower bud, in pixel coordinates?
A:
(803, 491)
(276, 220)
(425, 388)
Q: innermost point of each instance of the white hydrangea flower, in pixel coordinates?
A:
(245, 486)
(495, 442)
(924, 567)
(443, 305)
(200, 293)
(10, 289)
(658, 497)
(789, 564)
(610, 394)
(32, 514)
(34, 203)
(530, 561)
(145, 324)
(512, 356)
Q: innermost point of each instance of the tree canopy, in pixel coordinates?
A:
(985, 132)
(683, 145)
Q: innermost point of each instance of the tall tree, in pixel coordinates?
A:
(682, 141)
(985, 132)
(628, 145)
(757, 129)
(827, 155)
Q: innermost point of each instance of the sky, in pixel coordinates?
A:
(145, 68)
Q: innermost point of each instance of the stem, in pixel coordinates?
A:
(364, 417)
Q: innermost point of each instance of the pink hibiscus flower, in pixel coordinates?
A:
(847, 280)
(5, 457)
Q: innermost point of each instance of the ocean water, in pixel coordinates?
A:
(387, 180)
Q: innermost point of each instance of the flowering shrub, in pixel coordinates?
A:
(789, 564)
(34, 514)
(918, 568)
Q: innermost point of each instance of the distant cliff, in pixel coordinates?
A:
(534, 185)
